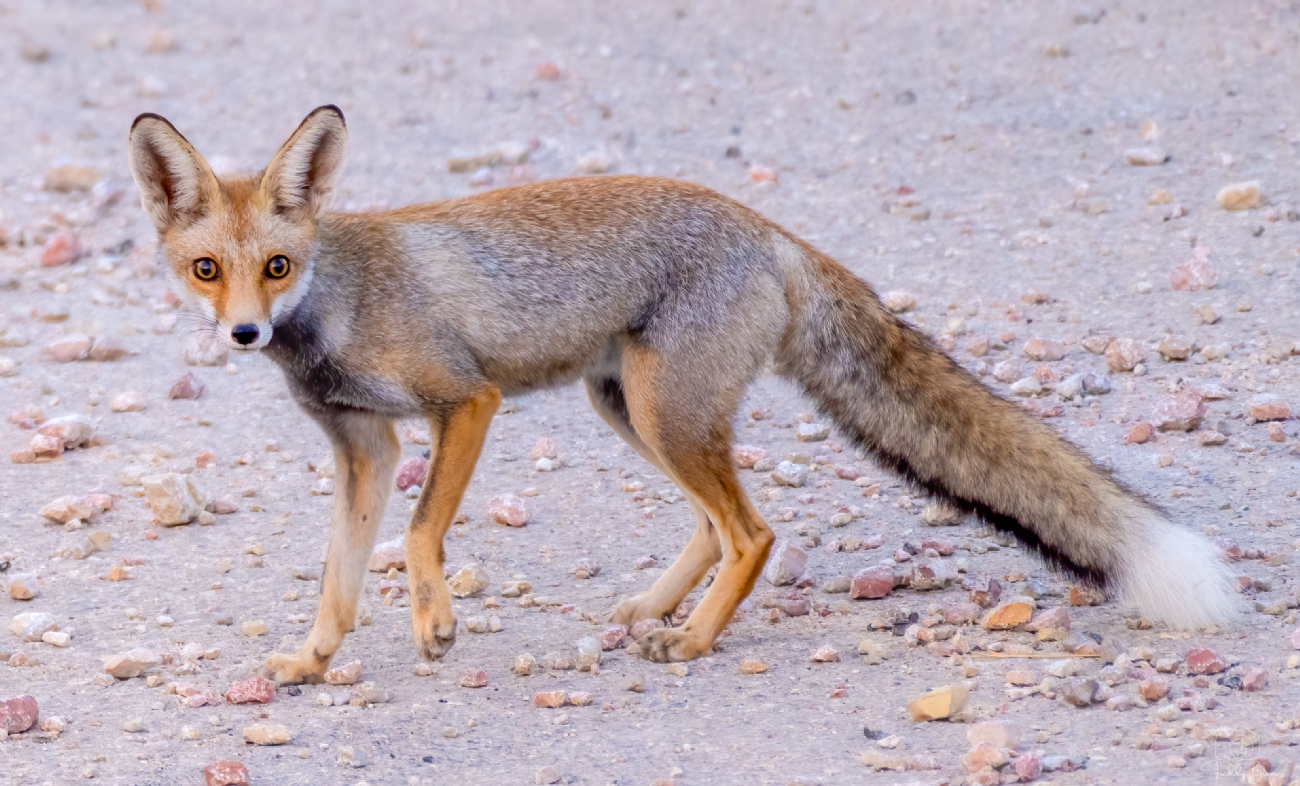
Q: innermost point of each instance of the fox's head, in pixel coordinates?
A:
(240, 246)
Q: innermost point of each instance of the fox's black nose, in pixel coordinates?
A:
(244, 334)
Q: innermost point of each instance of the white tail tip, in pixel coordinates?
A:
(1176, 577)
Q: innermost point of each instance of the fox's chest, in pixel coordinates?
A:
(331, 384)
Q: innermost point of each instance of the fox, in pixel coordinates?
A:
(666, 300)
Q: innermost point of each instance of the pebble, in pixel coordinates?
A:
(871, 583)
(56, 638)
(474, 679)
(984, 592)
(253, 628)
(786, 563)
(543, 449)
(469, 580)
(1140, 434)
(1195, 274)
(524, 666)
(255, 689)
(1008, 371)
(422, 670)
(18, 714)
(1153, 688)
(1182, 411)
(174, 498)
(106, 350)
(344, 675)
(745, 456)
(637, 683)
(1255, 680)
(1239, 196)
(586, 569)
(129, 401)
(368, 693)
(825, 654)
(588, 653)
(225, 773)
(552, 699)
(1008, 616)
(189, 733)
(1124, 354)
(508, 509)
(788, 473)
(899, 302)
(812, 432)
(188, 387)
(67, 349)
(546, 775)
(133, 725)
(1175, 347)
(999, 733)
(581, 699)
(1044, 349)
(267, 734)
(131, 663)
(613, 637)
(32, 625)
(389, 555)
(1145, 156)
(70, 177)
(304, 573)
(939, 704)
(1204, 661)
(412, 472)
(1028, 766)
(1079, 692)
(1267, 407)
(752, 667)
(63, 248)
(351, 757)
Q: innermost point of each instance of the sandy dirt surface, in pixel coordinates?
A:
(971, 155)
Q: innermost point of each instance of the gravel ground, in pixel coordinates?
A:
(970, 155)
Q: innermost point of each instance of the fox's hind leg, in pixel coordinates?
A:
(365, 454)
(701, 553)
(684, 415)
(459, 435)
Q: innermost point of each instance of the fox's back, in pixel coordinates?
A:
(538, 281)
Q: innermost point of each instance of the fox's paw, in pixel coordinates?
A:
(636, 608)
(293, 669)
(672, 645)
(433, 638)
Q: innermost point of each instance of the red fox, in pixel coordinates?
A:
(666, 299)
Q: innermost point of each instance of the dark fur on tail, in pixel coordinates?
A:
(898, 396)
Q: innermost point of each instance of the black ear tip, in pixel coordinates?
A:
(334, 109)
(150, 116)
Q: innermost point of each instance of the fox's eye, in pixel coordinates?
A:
(278, 267)
(205, 269)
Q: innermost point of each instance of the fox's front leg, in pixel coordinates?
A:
(460, 433)
(365, 454)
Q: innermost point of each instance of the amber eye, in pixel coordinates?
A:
(278, 267)
(205, 269)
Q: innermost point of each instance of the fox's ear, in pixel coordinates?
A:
(300, 179)
(175, 183)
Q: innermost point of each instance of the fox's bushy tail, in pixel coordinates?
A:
(895, 394)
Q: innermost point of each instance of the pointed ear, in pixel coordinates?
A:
(176, 184)
(300, 179)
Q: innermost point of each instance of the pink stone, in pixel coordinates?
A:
(545, 448)
(826, 654)
(18, 714)
(984, 754)
(1044, 349)
(344, 675)
(73, 431)
(847, 472)
(412, 472)
(746, 456)
(873, 582)
(786, 563)
(255, 689)
(187, 387)
(1295, 638)
(961, 614)
(66, 349)
(1028, 766)
(130, 401)
(225, 773)
(508, 509)
(873, 542)
(474, 679)
(1266, 407)
(1153, 688)
(984, 592)
(1051, 619)
(643, 627)
(1231, 550)
(107, 349)
(1124, 354)
(389, 554)
(64, 248)
(132, 663)
(1196, 273)
(1001, 733)
(942, 547)
(1180, 412)
(1255, 680)
(222, 507)
(1203, 661)
(1140, 434)
(613, 637)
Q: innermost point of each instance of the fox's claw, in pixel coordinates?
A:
(434, 639)
(672, 645)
